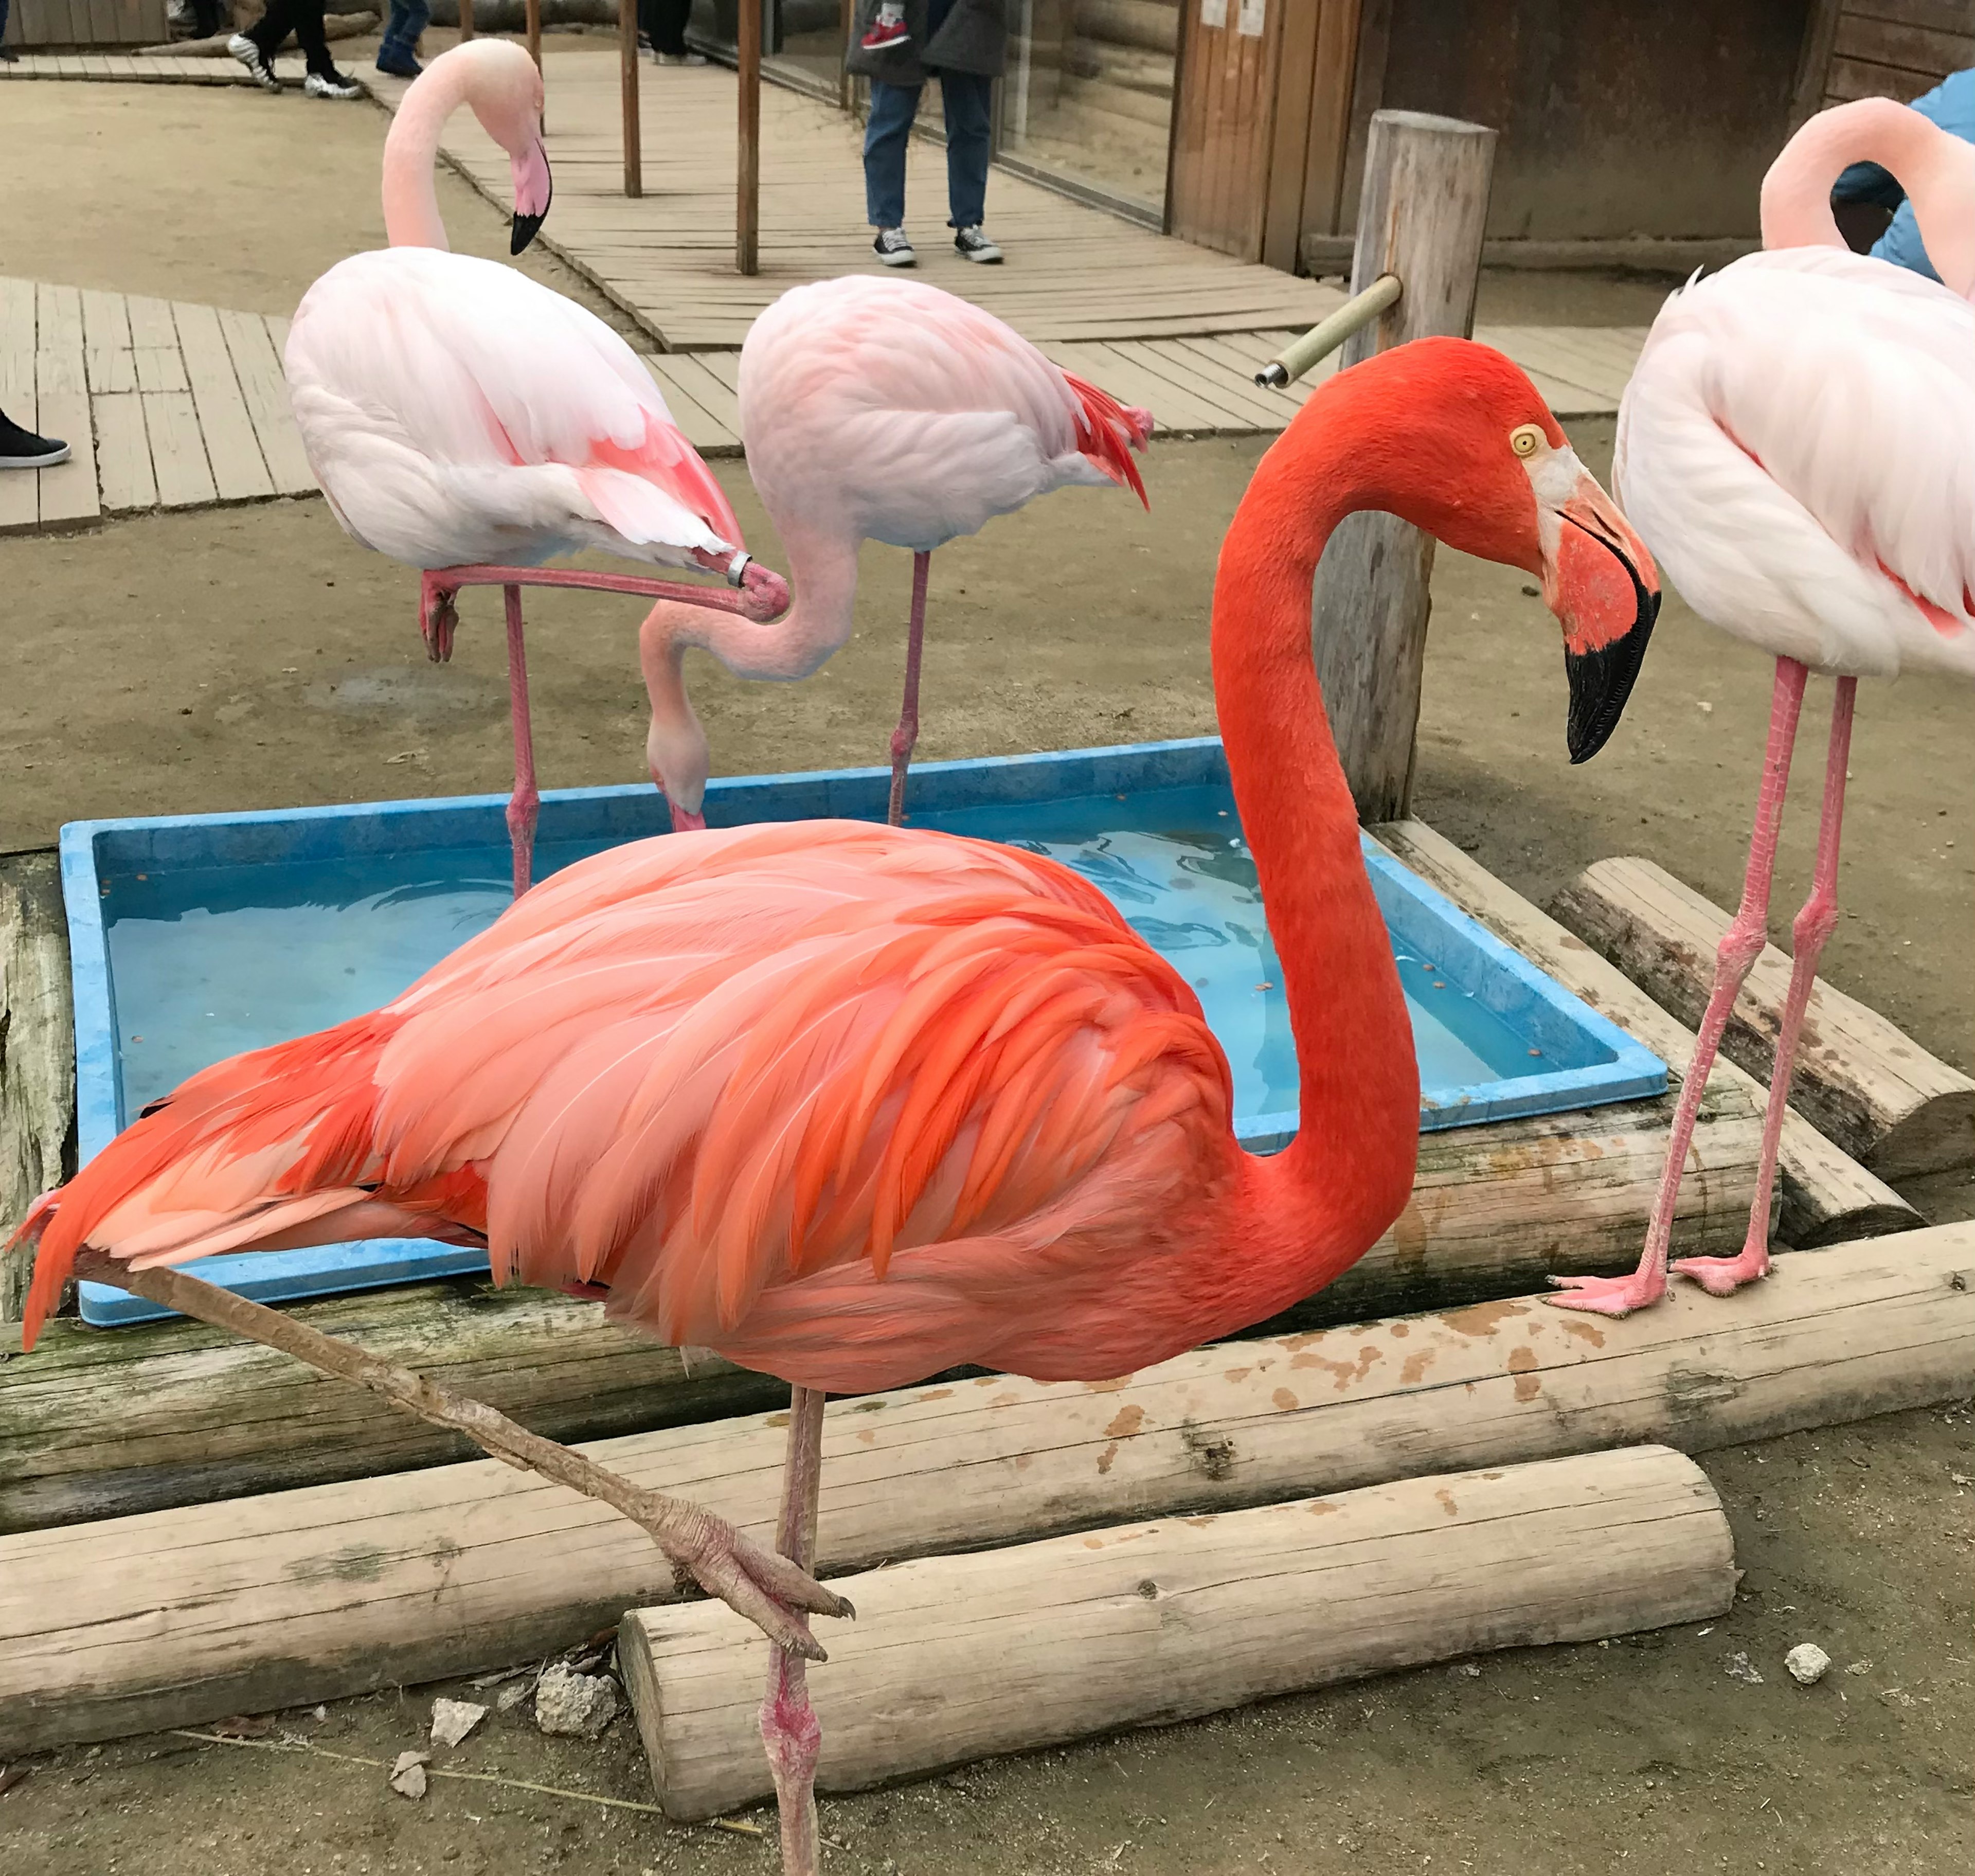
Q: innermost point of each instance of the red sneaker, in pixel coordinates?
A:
(884, 33)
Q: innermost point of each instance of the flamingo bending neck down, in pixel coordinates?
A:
(1795, 443)
(853, 1104)
(874, 408)
(466, 420)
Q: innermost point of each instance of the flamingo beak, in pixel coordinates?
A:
(1601, 584)
(534, 188)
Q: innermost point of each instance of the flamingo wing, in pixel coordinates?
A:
(1794, 445)
(913, 415)
(942, 1075)
(454, 410)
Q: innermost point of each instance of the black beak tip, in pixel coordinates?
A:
(524, 231)
(1600, 682)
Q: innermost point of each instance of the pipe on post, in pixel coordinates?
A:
(748, 191)
(627, 59)
(1421, 218)
(1302, 355)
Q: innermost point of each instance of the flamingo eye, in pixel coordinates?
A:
(1527, 439)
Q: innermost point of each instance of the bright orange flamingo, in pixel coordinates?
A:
(853, 1104)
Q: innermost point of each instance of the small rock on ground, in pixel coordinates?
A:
(512, 1695)
(1808, 1663)
(1741, 1668)
(408, 1776)
(578, 1706)
(451, 1720)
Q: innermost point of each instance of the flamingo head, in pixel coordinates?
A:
(505, 91)
(1481, 464)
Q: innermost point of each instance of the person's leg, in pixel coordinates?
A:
(668, 27)
(399, 53)
(893, 107)
(968, 99)
(4, 52)
(273, 26)
(313, 39)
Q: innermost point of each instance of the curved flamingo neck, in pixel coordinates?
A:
(411, 152)
(1936, 169)
(1351, 1164)
(823, 569)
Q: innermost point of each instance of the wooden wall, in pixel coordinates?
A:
(1883, 48)
(36, 23)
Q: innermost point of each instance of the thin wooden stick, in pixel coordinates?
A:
(748, 192)
(627, 62)
(752, 1581)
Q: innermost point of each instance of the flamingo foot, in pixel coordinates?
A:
(438, 620)
(1608, 1295)
(1722, 1276)
(777, 1596)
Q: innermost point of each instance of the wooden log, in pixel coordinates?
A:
(1827, 1197)
(1859, 1082)
(99, 1425)
(174, 1618)
(627, 79)
(36, 1067)
(956, 1659)
(1421, 215)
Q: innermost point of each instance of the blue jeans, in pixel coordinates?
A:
(409, 19)
(967, 97)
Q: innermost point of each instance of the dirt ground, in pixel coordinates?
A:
(254, 657)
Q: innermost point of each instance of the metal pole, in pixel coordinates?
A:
(627, 60)
(465, 21)
(747, 203)
(1420, 218)
(1301, 355)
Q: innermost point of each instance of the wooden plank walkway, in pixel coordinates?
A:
(136, 68)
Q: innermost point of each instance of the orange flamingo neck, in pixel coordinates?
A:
(1348, 1172)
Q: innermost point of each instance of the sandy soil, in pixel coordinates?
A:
(254, 657)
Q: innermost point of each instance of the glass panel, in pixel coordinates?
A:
(714, 23)
(1089, 91)
(801, 40)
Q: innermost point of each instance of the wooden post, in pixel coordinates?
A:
(1421, 216)
(465, 21)
(37, 1070)
(535, 31)
(627, 51)
(747, 203)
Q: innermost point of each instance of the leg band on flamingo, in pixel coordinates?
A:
(1741, 945)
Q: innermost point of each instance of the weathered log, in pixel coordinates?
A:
(1859, 1082)
(37, 1064)
(173, 1617)
(954, 1659)
(97, 1424)
(1827, 1198)
(102, 1424)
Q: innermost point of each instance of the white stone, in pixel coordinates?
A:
(577, 1705)
(408, 1776)
(1808, 1663)
(451, 1720)
(1741, 1668)
(513, 1693)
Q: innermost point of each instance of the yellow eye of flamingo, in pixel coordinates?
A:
(1527, 439)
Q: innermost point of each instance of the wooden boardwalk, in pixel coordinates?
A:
(136, 68)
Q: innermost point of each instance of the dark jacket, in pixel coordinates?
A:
(973, 38)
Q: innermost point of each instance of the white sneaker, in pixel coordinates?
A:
(680, 58)
(894, 248)
(258, 66)
(970, 244)
(334, 85)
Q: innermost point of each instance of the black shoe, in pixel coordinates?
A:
(403, 65)
(893, 248)
(22, 449)
(971, 245)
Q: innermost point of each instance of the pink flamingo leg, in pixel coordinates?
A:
(1741, 945)
(525, 802)
(907, 733)
(1721, 1277)
(790, 1729)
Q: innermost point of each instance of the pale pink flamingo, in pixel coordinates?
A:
(1798, 443)
(466, 420)
(875, 408)
(853, 1104)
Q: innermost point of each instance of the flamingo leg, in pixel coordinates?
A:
(790, 1729)
(907, 733)
(1741, 945)
(525, 802)
(1723, 1276)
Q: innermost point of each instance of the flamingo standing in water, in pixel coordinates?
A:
(1798, 443)
(467, 421)
(853, 1104)
(875, 408)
